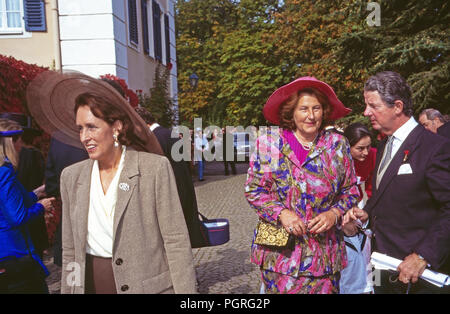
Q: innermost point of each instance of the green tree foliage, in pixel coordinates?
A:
(412, 39)
(243, 50)
(159, 104)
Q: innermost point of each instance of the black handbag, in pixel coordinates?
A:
(214, 231)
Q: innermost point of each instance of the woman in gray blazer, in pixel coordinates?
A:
(123, 229)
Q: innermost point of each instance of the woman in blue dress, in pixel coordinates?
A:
(21, 269)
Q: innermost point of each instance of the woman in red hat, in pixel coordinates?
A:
(301, 178)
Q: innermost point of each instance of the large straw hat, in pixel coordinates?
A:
(51, 101)
(272, 107)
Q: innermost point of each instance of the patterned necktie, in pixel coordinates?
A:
(387, 156)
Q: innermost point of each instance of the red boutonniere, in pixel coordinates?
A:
(405, 158)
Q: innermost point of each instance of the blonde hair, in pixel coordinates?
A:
(7, 149)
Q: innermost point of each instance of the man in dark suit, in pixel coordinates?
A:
(410, 206)
(186, 191)
(444, 130)
(434, 121)
(59, 156)
(228, 146)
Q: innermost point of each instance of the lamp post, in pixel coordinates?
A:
(193, 81)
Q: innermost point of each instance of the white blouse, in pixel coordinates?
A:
(101, 212)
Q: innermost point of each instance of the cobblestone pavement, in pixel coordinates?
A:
(223, 269)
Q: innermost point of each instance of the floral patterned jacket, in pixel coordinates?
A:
(276, 180)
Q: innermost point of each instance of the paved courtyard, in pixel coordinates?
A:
(225, 268)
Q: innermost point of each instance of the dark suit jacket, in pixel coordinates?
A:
(30, 172)
(59, 156)
(186, 191)
(411, 212)
(444, 130)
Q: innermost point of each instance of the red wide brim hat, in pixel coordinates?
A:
(272, 107)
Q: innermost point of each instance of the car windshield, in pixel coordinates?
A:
(242, 138)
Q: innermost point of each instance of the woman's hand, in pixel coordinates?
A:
(354, 214)
(323, 222)
(40, 191)
(47, 202)
(292, 223)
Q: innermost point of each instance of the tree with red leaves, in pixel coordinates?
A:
(15, 75)
(130, 95)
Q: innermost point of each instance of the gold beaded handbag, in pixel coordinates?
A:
(274, 236)
(270, 235)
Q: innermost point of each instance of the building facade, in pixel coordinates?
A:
(126, 38)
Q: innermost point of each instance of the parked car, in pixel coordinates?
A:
(243, 146)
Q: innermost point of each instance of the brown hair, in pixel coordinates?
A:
(100, 108)
(287, 108)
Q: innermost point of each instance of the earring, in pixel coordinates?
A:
(116, 142)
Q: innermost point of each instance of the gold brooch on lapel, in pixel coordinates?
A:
(124, 186)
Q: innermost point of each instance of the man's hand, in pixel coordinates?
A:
(354, 214)
(411, 268)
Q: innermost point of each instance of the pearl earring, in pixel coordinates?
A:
(116, 142)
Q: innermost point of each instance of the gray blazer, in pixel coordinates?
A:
(151, 249)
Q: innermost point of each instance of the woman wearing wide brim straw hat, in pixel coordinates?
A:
(301, 178)
(123, 226)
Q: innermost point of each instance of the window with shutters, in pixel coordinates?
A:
(167, 33)
(11, 17)
(144, 16)
(34, 15)
(132, 22)
(157, 39)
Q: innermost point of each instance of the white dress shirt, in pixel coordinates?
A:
(398, 137)
(101, 212)
(154, 126)
(401, 134)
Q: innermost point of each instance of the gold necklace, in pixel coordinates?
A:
(306, 146)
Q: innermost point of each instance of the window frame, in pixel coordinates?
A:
(131, 42)
(9, 30)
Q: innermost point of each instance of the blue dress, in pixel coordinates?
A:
(17, 208)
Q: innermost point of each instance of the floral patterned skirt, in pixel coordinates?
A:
(276, 283)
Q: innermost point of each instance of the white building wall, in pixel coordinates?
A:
(93, 37)
(94, 40)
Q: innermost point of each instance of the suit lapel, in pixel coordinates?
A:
(127, 181)
(82, 202)
(410, 144)
(380, 152)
